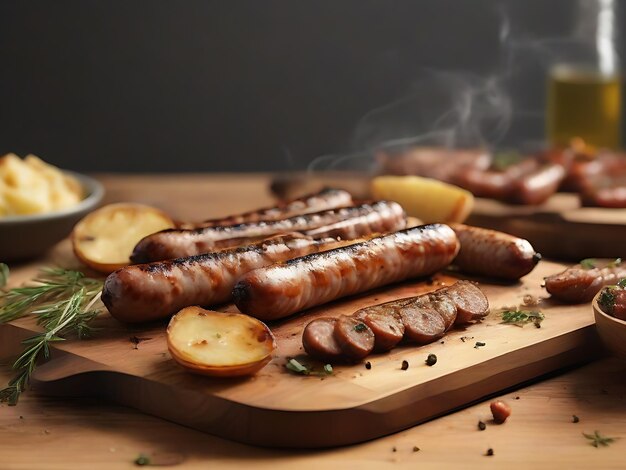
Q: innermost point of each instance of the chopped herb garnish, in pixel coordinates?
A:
(360, 327)
(622, 282)
(296, 367)
(606, 300)
(588, 263)
(303, 369)
(405, 365)
(142, 460)
(616, 262)
(522, 317)
(4, 275)
(431, 360)
(482, 426)
(575, 419)
(479, 344)
(598, 439)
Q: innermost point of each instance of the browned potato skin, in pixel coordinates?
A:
(221, 371)
(239, 370)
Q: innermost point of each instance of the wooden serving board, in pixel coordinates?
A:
(354, 404)
(558, 229)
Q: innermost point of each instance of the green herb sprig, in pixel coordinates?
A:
(64, 302)
(588, 263)
(522, 317)
(297, 367)
(598, 439)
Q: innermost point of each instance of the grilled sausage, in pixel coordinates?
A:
(282, 289)
(325, 199)
(537, 186)
(492, 183)
(388, 219)
(420, 319)
(319, 341)
(176, 243)
(578, 285)
(494, 254)
(147, 292)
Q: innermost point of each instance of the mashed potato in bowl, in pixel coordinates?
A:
(31, 186)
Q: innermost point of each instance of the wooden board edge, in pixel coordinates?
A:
(293, 429)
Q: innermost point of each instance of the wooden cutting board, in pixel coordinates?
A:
(354, 404)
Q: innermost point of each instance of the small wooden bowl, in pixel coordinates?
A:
(612, 331)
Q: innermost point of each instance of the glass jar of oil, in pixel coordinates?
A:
(584, 103)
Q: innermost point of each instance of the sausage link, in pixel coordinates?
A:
(536, 187)
(325, 199)
(389, 218)
(579, 285)
(282, 289)
(152, 291)
(177, 243)
(494, 254)
(494, 184)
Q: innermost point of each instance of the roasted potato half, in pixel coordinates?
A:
(427, 199)
(104, 239)
(219, 344)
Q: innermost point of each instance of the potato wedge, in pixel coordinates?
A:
(219, 344)
(104, 239)
(427, 199)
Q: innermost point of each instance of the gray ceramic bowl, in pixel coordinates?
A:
(25, 237)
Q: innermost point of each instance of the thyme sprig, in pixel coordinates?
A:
(64, 302)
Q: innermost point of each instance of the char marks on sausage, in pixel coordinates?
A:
(147, 292)
(280, 290)
(176, 243)
(325, 199)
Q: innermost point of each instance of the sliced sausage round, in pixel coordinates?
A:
(422, 325)
(319, 340)
(385, 324)
(355, 338)
(471, 304)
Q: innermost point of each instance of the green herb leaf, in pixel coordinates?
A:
(616, 262)
(64, 302)
(4, 275)
(522, 317)
(622, 282)
(588, 263)
(606, 300)
(360, 327)
(296, 367)
(598, 439)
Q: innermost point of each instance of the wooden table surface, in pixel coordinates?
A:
(42, 432)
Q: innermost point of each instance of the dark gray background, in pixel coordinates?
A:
(254, 85)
